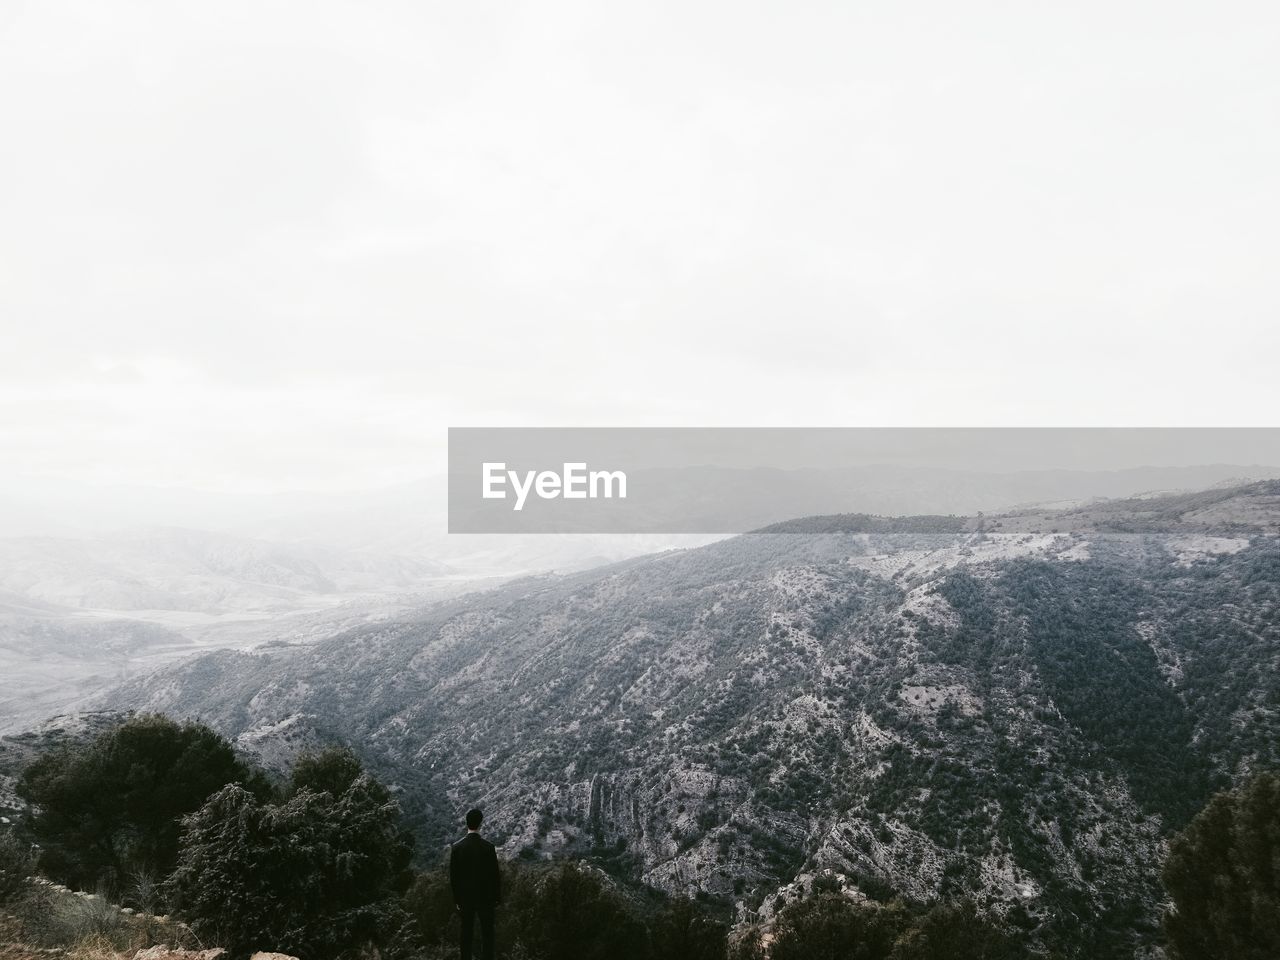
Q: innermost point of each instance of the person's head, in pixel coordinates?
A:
(474, 819)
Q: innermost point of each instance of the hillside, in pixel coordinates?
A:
(1024, 716)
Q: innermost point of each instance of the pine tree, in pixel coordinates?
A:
(1223, 874)
(313, 876)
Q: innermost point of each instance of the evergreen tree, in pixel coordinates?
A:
(571, 913)
(831, 927)
(955, 931)
(332, 770)
(313, 876)
(112, 807)
(1223, 874)
(682, 929)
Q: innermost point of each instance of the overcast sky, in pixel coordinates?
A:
(265, 246)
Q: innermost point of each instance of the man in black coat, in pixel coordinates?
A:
(473, 873)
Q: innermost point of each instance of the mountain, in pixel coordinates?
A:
(81, 613)
(1020, 707)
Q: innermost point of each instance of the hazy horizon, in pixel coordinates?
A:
(249, 250)
(67, 508)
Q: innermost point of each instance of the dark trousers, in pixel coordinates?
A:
(470, 912)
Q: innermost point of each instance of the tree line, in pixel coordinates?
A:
(164, 816)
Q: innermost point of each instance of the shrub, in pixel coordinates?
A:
(59, 920)
(683, 929)
(17, 862)
(747, 945)
(332, 771)
(571, 911)
(831, 927)
(955, 932)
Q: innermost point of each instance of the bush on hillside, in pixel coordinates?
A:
(955, 931)
(17, 862)
(832, 927)
(332, 770)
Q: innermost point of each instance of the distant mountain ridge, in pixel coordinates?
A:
(80, 614)
(1021, 716)
(181, 569)
(1251, 507)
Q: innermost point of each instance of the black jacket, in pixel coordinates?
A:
(473, 872)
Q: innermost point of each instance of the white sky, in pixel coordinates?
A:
(264, 246)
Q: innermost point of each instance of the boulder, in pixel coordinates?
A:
(165, 952)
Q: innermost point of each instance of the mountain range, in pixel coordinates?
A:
(1019, 707)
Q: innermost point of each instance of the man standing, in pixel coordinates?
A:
(473, 873)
